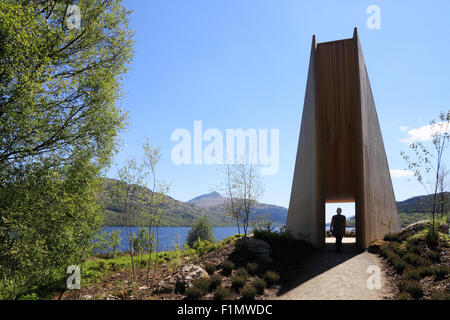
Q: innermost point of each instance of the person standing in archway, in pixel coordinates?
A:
(337, 228)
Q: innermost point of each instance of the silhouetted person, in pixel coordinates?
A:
(337, 228)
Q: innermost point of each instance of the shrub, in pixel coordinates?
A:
(237, 282)
(210, 268)
(271, 278)
(441, 272)
(411, 274)
(416, 260)
(441, 295)
(248, 293)
(412, 247)
(259, 285)
(214, 282)
(398, 264)
(227, 267)
(412, 287)
(404, 296)
(434, 256)
(202, 284)
(203, 246)
(201, 229)
(194, 293)
(391, 237)
(241, 272)
(180, 287)
(222, 294)
(252, 268)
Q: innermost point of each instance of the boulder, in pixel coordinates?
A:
(188, 274)
(413, 228)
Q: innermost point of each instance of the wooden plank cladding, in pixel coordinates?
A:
(336, 116)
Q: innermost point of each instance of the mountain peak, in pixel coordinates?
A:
(211, 199)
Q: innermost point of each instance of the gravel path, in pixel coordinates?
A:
(328, 275)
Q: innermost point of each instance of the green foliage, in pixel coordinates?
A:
(210, 268)
(194, 293)
(412, 287)
(238, 282)
(242, 272)
(252, 268)
(202, 284)
(227, 267)
(441, 295)
(259, 285)
(214, 282)
(441, 272)
(59, 126)
(222, 294)
(434, 256)
(201, 229)
(142, 240)
(107, 242)
(248, 293)
(416, 260)
(271, 278)
(203, 246)
(404, 296)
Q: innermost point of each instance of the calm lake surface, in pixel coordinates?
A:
(168, 236)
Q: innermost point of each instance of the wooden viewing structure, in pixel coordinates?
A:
(340, 155)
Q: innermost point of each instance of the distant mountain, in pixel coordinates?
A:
(179, 213)
(208, 200)
(421, 204)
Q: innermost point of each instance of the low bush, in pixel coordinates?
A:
(214, 282)
(222, 294)
(391, 237)
(416, 260)
(241, 272)
(441, 295)
(412, 287)
(404, 296)
(259, 285)
(252, 268)
(227, 267)
(202, 284)
(434, 256)
(238, 282)
(194, 293)
(441, 272)
(248, 293)
(210, 268)
(271, 278)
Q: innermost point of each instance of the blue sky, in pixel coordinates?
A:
(243, 64)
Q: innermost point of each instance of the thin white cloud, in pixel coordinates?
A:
(425, 133)
(403, 128)
(399, 173)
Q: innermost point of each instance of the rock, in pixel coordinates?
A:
(164, 287)
(188, 274)
(375, 245)
(413, 228)
(86, 297)
(259, 249)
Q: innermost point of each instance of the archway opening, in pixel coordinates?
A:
(349, 211)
